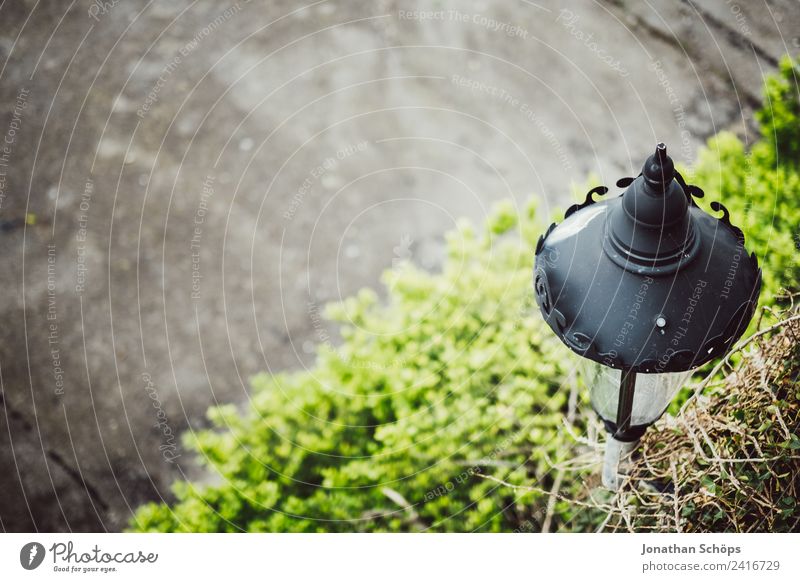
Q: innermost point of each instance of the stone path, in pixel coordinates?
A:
(185, 184)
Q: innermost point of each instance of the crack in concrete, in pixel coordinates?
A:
(56, 457)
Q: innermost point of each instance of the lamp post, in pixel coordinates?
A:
(646, 286)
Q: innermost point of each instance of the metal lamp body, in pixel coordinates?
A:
(647, 285)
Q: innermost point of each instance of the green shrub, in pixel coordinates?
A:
(778, 118)
(762, 198)
(452, 377)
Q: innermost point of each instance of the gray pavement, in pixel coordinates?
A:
(184, 184)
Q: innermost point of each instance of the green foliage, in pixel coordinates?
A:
(778, 118)
(761, 186)
(451, 377)
(762, 197)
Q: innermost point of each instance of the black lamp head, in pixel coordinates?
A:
(647, 282)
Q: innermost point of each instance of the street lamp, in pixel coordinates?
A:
(646, 286)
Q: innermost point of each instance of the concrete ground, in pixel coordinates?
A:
(184, 184)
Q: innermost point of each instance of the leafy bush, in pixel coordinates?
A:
(778, 118)
(452, 378)
(761, 187)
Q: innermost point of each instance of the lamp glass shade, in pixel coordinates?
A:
(652, 392)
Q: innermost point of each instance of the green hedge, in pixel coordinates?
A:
(451, 378)
(452, 375)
